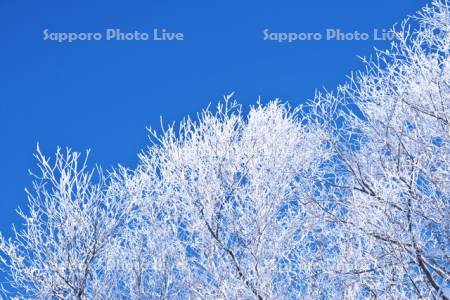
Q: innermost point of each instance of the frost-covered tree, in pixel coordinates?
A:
(233, 186)
(68, 226)
(345, 197)
(390, 133)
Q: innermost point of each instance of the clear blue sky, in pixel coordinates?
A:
(101, 95)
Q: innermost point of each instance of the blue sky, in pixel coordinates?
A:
(103, 94)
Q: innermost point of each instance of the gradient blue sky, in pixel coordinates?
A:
(102, 95)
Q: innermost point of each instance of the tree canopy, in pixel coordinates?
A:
(344, 197)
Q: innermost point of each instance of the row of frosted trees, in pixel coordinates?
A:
(345, 197)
